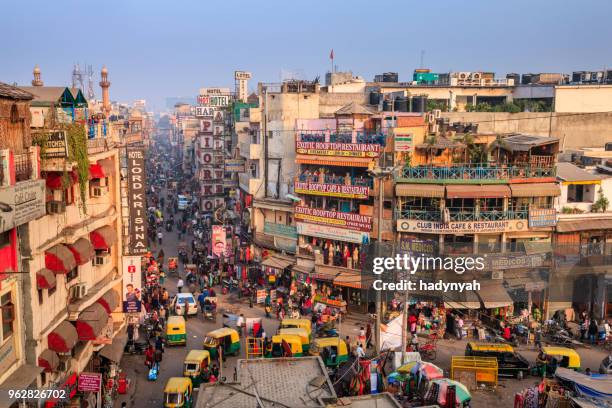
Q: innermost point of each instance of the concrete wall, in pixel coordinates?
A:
(575, 130)
(329, 103)
(583, 98)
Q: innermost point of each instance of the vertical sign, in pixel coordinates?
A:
(218, 240)
(132, 280)
(137, 201)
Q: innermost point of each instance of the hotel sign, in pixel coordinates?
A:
(332, 190)
(461, 227)
(219, 101)
(350, 221)
(338, 149)
(137, 201)
(204, 111)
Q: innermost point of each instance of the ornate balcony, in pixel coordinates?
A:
(475, 174)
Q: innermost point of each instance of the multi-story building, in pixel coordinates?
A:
(73, 288)
(583, 242)
(22, 199)
(481, 194)
(337, 214)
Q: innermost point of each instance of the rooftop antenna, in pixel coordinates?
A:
(77, 77)
(90, 83)
(422, 58)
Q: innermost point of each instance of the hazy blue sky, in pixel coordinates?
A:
(156, 48)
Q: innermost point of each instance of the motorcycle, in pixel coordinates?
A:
(229, 285)
(135, 347)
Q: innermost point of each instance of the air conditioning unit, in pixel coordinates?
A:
(464, 75)
(102, 259)
(56, 207)
(78, 291)
(98, 191)
(476, 75)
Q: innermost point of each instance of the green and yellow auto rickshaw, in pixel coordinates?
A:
(301, 333)
(305, 324)
(284, 345)
(226, 337)
(176, 332)
(196, 366)
(332, 350)
(178, 393)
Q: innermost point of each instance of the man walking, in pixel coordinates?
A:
(160, 235)
(179, 285)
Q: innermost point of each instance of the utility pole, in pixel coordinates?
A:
(265, 141)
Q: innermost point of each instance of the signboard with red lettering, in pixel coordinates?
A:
(351, 221)
(338, 149)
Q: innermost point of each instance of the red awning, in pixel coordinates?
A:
(63, 338)
(48, 360)
(45, 279)
(82, 250)
(103, 238)
(59, 259)
(55, 180)
(91, 321)
(109, 300)
(96, 171)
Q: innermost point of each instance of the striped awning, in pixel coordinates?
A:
(110, 300)
(419, 190)
(82, 250)
(103, 238)
(49, 360)
(63, 338)
(477, 191)
(91, 321)
(535, 190)
(59, 259)
(45, 279)
(333, 161)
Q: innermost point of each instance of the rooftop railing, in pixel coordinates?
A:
(467, 172)
(336, 179)
(361, 138)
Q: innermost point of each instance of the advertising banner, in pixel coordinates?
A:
(460, 227)
(356, 222)
(90, 382)
(332, 190)
(338, 149)
(132, 278)
(218, 240)
(137, 202)
(234, 165)
(21, 203)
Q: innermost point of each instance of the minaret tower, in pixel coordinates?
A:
(37, 81)
(105, 84)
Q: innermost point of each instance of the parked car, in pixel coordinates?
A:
(179, 301)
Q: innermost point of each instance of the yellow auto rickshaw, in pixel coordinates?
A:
(176, 332)
(178, 393)
(298, 323)
(333, 350)
(559, 357)
(196, 366)
(226, 337)
(301, 333)
(293, 341)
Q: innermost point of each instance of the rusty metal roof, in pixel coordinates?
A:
(12, 92)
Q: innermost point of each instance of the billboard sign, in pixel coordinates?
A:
(356, 222)
(242, 75)
(329, 232)
(218, 240)
(460, 227)
(136, 201)
(338, 149)
(214, 91)
(332, 190)
(217, 101)
(132, 278)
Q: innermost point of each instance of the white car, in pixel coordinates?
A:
(179, 301)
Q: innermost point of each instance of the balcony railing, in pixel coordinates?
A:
(335, 179)
(23, 167)
(461, 214)
(97, 145)
(464, 173)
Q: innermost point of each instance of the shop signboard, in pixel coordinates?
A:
(90, 382)
(132, 284)
(461, 227)
(338, 149)
(329, 232)
(403, 142)
(261, 296)
(542, 217)
(235, 165)
(515, 261)
(351, 221)
(56, 145)
(137, 202)
(218, 240)
(282, 230)
(204, 111)
(21, 203)
(332, 190)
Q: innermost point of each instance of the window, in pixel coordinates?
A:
(8, 315)
(40, 296)
(5, 239)
(72, 274)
